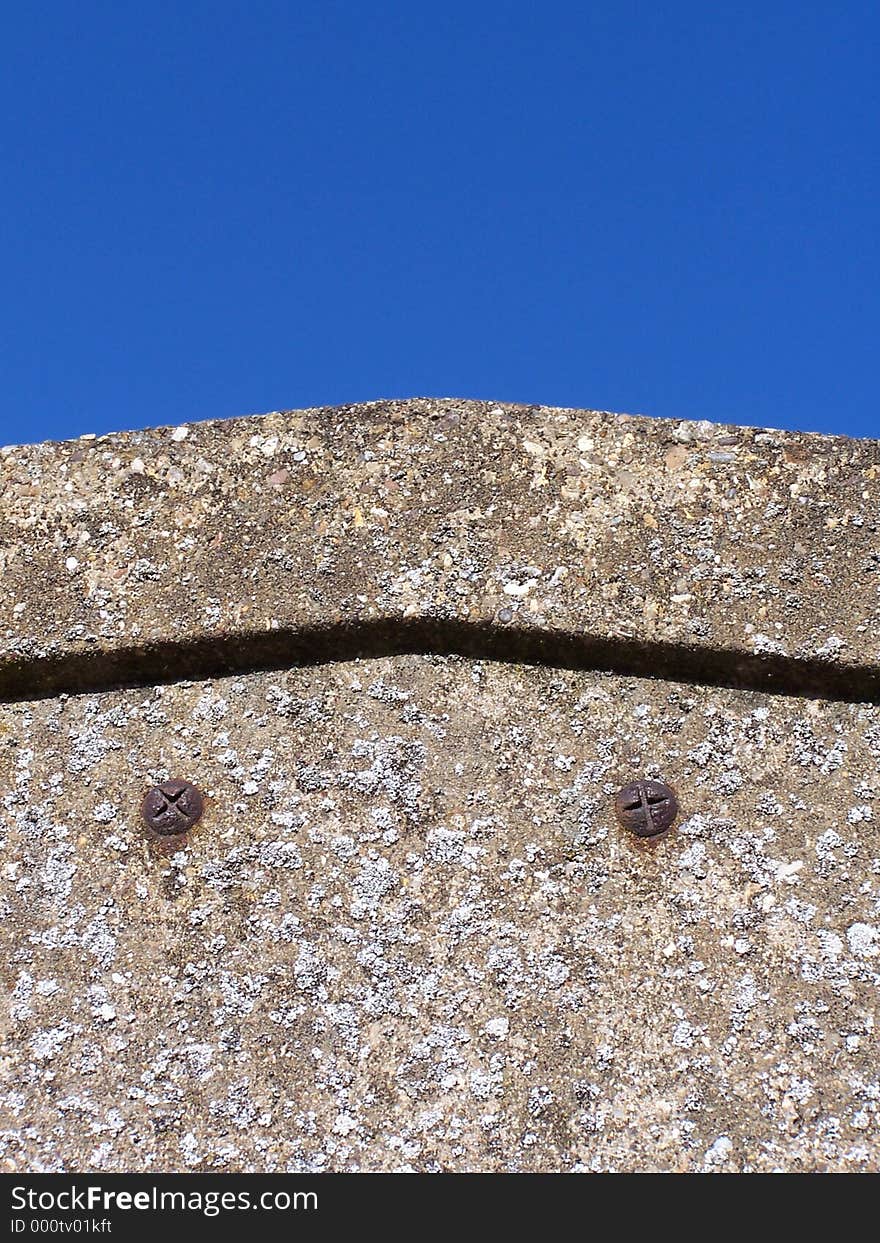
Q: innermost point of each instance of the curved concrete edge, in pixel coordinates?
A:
(710, 552)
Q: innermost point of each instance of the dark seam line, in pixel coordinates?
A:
(276, 650)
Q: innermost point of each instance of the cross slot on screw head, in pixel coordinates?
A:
(646, 808)
(172, 807)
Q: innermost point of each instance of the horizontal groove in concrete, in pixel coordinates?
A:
(250, 652)
(710, 553)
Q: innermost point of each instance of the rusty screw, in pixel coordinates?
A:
(646, 808)
(172, 807)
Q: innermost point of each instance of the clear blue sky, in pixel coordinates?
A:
(211, 209)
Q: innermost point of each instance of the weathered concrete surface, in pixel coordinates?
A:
(407, 933)
(732, 544)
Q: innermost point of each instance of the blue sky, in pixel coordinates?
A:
(212, 209)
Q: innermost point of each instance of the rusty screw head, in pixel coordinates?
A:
(646, 808)
(172, 807)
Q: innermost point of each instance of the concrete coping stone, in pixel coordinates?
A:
(707, 552)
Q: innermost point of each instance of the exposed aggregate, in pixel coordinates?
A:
(762, 542)
(409, 935)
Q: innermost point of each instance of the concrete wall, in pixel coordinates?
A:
(409, 651)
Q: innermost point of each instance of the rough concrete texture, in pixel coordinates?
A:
(407, 933)
(725, 543)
